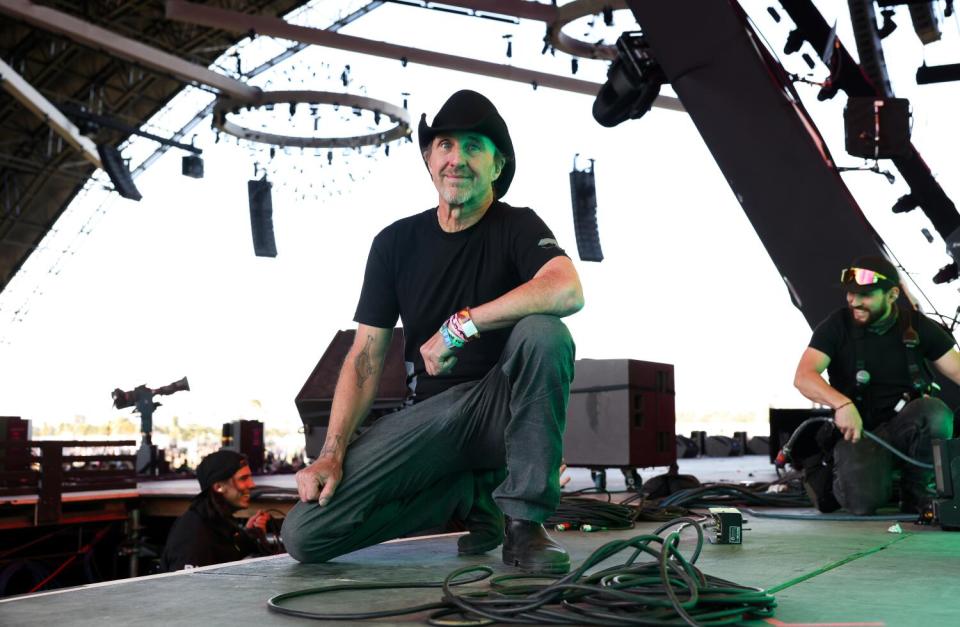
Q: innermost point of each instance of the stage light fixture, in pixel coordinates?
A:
(927, 74)
(633, 82)
(905, 203)
(192, 166)
(946, 274)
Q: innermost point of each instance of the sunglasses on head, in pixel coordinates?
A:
(861, 276)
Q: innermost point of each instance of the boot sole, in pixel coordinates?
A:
(540, 568)
(479, 550)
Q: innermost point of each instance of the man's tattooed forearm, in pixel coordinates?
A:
(331, 448)
(364, 364)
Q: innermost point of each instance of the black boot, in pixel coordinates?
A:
(485, 520)
(527, 546)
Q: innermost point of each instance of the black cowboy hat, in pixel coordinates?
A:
(468, 111)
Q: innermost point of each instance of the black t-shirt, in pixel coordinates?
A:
(204, 535)
(422, 274)
(884, 356)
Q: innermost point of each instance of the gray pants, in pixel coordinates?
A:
(863, 472)
(414, 469)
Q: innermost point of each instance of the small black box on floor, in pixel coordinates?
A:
(729, 525)
(877, 128)
(246, 437)
(783, 422)
(621, 415)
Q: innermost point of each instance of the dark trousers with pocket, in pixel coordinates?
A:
(414, 469)
(863, 472)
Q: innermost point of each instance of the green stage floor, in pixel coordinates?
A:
(913, 581)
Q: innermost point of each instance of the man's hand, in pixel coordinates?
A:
(437, 358)
(847, 418)
(259, 521)
(326, 472)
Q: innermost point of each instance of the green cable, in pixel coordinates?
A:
(832, 565)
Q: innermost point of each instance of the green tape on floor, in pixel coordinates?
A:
(832, 565)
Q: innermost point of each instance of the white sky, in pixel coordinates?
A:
(126, 293)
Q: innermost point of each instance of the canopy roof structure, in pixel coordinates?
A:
(40, 171)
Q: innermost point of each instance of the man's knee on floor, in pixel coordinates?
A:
(862, 502)
(302, 539)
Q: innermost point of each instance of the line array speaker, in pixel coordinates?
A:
(261, 217)
(583, 194)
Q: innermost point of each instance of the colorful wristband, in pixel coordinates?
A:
(470, 330)
(451, 341)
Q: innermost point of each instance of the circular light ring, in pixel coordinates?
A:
(227, 104)
(574, 11)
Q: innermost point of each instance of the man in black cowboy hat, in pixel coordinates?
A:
(207, 533)
(480, 288)
(876, 355)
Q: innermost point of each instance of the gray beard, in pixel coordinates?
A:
(456, 197)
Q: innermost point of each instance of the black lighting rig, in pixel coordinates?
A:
(633, 82)
(856, 81)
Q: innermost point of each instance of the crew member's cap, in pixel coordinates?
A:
(468, 111)
(219, 466)
(866, 274)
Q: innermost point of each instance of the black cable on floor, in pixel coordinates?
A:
(587, 514)
(666, 589)
(710, 495)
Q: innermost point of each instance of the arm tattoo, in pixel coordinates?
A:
(332, 448)
(364, 364)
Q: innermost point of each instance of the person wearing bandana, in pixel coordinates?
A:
(877, 356)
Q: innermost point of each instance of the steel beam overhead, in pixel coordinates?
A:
(102, 39)
(47, 111)
(275, 27)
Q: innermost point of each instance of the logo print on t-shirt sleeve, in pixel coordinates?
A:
(548, 242)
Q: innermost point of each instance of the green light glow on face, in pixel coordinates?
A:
(871, 307)
(463, 167)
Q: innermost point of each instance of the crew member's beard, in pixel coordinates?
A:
(872, 317)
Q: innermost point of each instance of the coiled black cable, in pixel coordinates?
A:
(667, 590)
(587, 514)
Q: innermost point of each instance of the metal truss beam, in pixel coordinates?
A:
(102, 39)
(47, 111)
(275, 27)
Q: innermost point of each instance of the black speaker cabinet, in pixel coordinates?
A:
(877, 127)
(621, 415)
(316, 397)
(261, 217)
(246, 436)
(583, 194)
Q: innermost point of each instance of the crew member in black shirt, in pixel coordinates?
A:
(876, 355)
(207, 533)
(480, 288)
